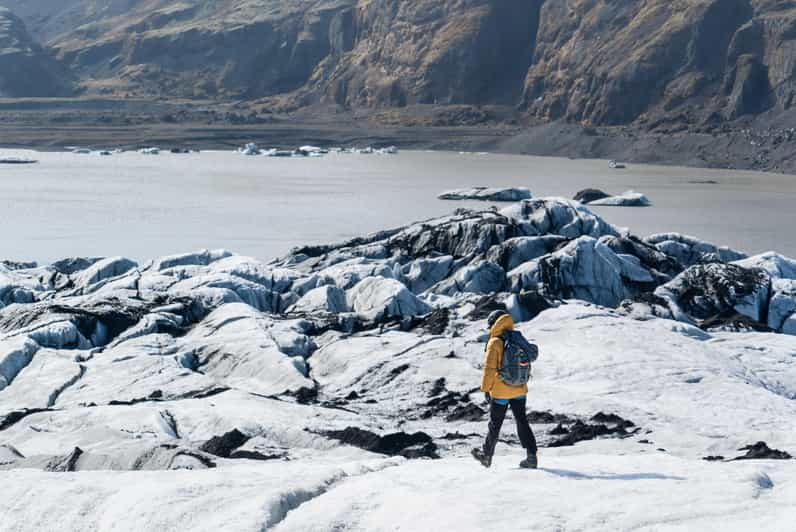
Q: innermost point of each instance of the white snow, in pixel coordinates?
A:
(692, 393)
(591, 491)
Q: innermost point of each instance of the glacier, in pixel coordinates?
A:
(335, 388)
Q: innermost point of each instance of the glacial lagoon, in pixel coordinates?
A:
(142, 206)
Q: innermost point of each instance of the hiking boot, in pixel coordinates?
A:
(482, 457)
(530, 461)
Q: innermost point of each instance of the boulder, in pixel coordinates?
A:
(589, 195)
(224, 445)
(761, 451)
(417, 445)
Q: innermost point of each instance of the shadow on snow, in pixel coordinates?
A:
(608, 476)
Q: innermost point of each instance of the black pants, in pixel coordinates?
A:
(497, 413)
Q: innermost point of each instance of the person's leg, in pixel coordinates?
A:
(497, 413)
(524, 431)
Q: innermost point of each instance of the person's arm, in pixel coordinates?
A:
(490, 365)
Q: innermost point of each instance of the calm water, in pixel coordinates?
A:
(144, 206)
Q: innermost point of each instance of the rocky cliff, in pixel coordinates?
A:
(25, 70)
(614, 62)
(596, 62)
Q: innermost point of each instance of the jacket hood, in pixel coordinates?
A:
(503, 324)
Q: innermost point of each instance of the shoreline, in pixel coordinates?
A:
(751, 144)
(231, 149)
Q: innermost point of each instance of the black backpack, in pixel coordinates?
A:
(518, 354)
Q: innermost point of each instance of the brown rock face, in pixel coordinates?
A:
(610, 62)
(377, 52)
(429, 51)
(601, 62)
(25, 70)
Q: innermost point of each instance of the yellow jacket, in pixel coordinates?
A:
(491, 382)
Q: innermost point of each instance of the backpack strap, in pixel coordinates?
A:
(505, 337)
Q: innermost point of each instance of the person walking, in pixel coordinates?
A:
(502, 395)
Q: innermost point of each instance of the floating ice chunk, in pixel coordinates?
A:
(627, 199)
(16, 160)
(249, 149)
(488, 194)
(312, 151)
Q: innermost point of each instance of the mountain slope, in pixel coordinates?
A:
(25, 70)
(596, 62)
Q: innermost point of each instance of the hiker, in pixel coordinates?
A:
(502, 394)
